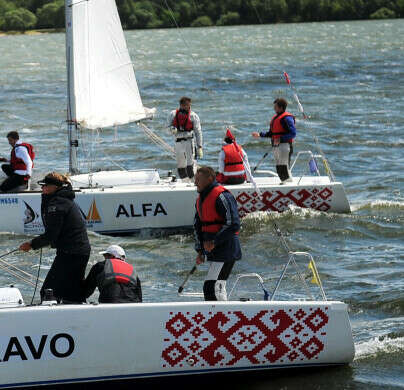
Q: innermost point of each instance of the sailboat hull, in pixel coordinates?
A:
(165, 206)
(46, 345)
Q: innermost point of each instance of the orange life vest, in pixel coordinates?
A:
(16, 163)
(276, 127)
(183, 121)
(233, 161)
(212, 222)
(118, 271)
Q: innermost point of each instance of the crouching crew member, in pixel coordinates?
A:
(282, 132)
(185, 124)
(216, 225)
(20, 168)
(233, 162)
(115, 279)
(65, 230)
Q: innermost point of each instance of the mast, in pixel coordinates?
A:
(72, 138)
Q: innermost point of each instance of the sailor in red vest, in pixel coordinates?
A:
(282, 132)
(115, 278)
(233, 162)
(186, 128)
(216, 225)
(19, 170)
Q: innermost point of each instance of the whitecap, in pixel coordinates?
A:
(378, 345)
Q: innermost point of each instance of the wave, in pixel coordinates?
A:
(379, 205)
(379, 346)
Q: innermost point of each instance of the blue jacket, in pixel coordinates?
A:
(227, 244)
(289, 125)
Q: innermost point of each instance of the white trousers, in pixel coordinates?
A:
(281, 154)
(184, 152)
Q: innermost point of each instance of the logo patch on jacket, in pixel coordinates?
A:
(52, 209)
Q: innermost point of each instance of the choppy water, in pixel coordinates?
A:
(349, 77)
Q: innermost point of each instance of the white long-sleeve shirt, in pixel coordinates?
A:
(22, 153)
(196, 125)
(222, 156)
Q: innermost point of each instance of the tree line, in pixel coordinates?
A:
(21, 15)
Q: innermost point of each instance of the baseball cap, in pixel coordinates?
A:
(114, 250)
(50, 180)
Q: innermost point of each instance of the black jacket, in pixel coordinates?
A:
(227, 245)
(65, 227)
(113, 293)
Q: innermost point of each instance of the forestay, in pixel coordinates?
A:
(102, 86)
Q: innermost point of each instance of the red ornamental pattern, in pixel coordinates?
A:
(314, 198)
(224, 339)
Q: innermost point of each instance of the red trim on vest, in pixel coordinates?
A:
(276, 127)
(16, 163)
(183, 121)
(118, 271)
(212, 222)
(233, 161)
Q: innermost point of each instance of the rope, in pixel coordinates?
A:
(158, 140)
(16, 275)
(5, 264)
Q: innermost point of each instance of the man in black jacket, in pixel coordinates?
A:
(65, 230)
(115, 279)
(216, 226)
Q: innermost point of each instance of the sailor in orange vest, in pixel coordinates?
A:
(216, 225)
(116, 280)
(233, 162)
(282, 132)
(186, 128)
(19, 170)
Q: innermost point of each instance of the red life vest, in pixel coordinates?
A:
(233, 161)
(183, 121)
(276, 127)
(212, 222)
(16, 163)
(118, 271)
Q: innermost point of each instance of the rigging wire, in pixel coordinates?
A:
(37, 277)
(306, 118)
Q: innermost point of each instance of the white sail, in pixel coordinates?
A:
(102, 86)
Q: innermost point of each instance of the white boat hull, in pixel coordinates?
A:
(162, 205)
(43, 345)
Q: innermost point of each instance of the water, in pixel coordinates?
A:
(349, 77)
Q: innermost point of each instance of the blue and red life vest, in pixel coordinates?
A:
(276, 127)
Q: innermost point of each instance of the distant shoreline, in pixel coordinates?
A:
(62, 30)
(32, 32)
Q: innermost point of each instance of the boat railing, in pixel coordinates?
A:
(312, 164)
(267, 295)
(250, 275)
(292, 259)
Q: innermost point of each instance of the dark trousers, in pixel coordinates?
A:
(12, 181)
(234, 180)
(66, 277)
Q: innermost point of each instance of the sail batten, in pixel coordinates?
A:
(103, 91)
